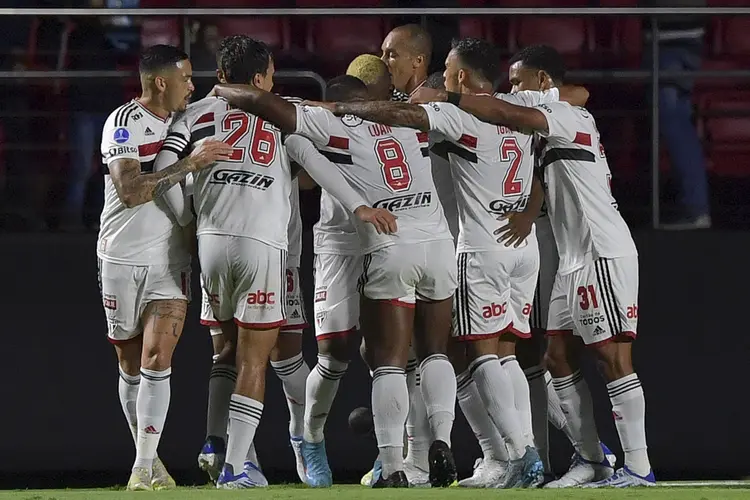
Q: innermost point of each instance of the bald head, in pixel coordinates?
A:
(374, 73)
(407, 51)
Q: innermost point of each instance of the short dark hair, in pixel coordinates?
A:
(159, 57)
(435, 81)
(544, 58)
(480, 56)
(344, 88)
(241, 58)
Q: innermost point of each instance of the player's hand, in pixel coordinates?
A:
(424, 95)
(515, 232)
(330, 106)
(383, 220)
(208, 152)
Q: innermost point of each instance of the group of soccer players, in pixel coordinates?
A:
(456, 229)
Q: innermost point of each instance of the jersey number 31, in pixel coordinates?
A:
(262, 148)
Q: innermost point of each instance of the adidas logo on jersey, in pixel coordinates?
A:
(148, 131)
(405, 202)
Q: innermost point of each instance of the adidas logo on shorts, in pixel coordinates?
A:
(598, 330)
(294, 315)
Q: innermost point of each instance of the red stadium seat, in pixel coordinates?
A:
(160, 30)
(161, 4)
(274, 31)
(341, 39)
(240, 4)
(536, 3)
(730, 38)
(725, 125)
(311, 4)
(572, 37)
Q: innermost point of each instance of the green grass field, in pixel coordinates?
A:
(670, 491)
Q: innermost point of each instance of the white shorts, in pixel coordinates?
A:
(207, 313)
(126, 291)
(336, 300)
(244, 279)
(495, 293)
(548, 259)
(296, 319)
(406, 273)
(597, 302)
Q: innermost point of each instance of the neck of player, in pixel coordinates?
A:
(415, 82)
(155, 104)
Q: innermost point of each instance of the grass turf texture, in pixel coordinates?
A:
(294, 492)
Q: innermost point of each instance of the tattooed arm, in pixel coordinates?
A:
(395, 114)
(266, 105)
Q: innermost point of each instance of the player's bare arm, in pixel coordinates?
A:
(395, 114)
(266, 105)
(487, 108)
(306, 183)
(135, 188)
(520, 223)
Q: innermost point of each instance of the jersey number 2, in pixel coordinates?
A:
(511, 152)
(262, 144)
(393, 164)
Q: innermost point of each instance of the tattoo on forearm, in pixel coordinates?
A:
(396, 114)
(136, 189)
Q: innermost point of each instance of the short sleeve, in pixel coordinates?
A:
(561, 120)
(315, 123)
(531, 98)
(120, 141)
(446, 119)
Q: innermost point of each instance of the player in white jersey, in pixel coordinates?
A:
(389, 168)
(144, 266)
(595, 294)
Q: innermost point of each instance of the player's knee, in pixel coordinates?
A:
(614, 359)
(556, 358)
(154, 358)
(338, 348)
(288, 345)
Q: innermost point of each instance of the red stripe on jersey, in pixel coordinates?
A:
(149, 149)
(468, 141)
(208, 117)
(338, 142)
(582, 139)
(423, 137)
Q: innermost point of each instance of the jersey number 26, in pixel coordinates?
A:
(262, 147)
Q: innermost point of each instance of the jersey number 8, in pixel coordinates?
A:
(393, 164)
(262, 149)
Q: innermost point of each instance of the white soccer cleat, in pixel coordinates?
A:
(160, 478)
(140, 480)
(582, 472)
(417, 477)
(366, 479)
(300, 461)
(486, 474)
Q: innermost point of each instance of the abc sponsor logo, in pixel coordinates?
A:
(261, 298)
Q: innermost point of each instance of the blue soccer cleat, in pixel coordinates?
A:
(526, 472)
(317, 471)
(609, 455)
(229, 481)
(625, 478)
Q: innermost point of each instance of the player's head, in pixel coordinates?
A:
(166, 70)
(345, 88)
(472, 65)
(407, 51)
(247, 61)
(374, 73)
(536, 67)
(435, 81)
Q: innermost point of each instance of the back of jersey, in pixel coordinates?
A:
(582, 210)
(388, 166)
(248, 194)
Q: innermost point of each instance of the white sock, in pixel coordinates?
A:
(127, 388)
(390, 406)
(475, 412)
(555, 414)
(252, 455)
(576, 404)
(418, 432)
(438, 388)
(496, 389)
(151, 409)
(220, 389)
(293, 373)
(521, 396)
(629, 411)
(244, 416)
(538, 393)
(321, 388)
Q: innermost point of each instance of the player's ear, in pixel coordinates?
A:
(160, 82)
(221, 76)
(258, 80)
(545, 82)
(463, 78)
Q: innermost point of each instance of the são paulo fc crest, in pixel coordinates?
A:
(351, 120)
(121, 135)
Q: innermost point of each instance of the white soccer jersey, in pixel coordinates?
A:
(147, 234)
(584, 216)
(492, 168)
(247, 195)
(441, 175)
(294, 231)
(388, 166)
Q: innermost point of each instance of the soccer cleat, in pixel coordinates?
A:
(228, 481)
(317, 471)
(486, 474)
(140, 480)
(297, 447)
(395, 480)
(417, 477)
(211, 457)
(255, 475)
(442, 465)
(160, 478)
(609, 455)
(526, 472)
(581, 472)
(624, 478)
(367, 479)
